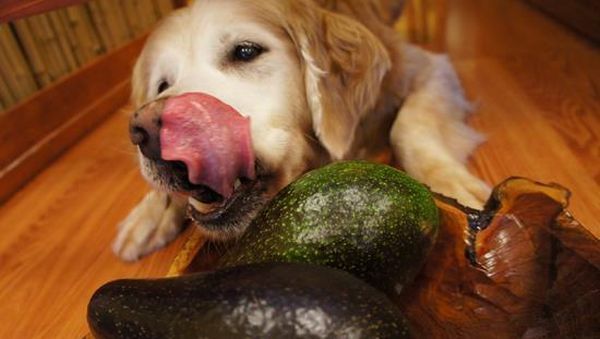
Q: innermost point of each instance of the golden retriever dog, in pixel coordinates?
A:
(237, 98)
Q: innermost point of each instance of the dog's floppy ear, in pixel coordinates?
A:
(344, 65)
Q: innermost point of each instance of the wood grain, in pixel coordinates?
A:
(536, 86)
(581, 15)
(32, 136)
(56, 236)
(14, 9)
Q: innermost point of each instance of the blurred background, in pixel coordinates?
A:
(40, 49)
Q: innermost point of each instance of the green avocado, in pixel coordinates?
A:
(253, 301)
(368, 219)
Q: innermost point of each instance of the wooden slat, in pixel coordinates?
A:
(7, 96)
(581, 15)
(55, 249)
(15, 64)
(64, 40)
(33, 51)
(146, 10)
(15, 9)
(47, 41)
(86, 37)
(36, 131)
(134, 19)
(98, 19)
(117, 24)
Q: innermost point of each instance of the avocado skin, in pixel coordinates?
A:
(253, 301)
(369, 219)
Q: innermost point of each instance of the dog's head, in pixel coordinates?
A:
(238, 97)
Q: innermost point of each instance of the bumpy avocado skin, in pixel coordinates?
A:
(253, 301)
(368, 219)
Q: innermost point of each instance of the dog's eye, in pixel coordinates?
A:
(163, 85)
(246, 51)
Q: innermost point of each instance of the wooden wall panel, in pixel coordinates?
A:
(581, 15)
(38, 130)
(14, 9)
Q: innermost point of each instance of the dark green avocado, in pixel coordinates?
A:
(369, 219)
(253, 301)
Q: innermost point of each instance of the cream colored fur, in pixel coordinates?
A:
(337, 83)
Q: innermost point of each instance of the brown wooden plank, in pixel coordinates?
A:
(535, 85)
(7, 96)
(22, 169)
(86, 36)
(27, 123)
(47, 42)
(99, 21)
(581, 15)
(33, 50)
(36, 131)
(15, 9)
(56, 235)
(15, 63)
(64, 40)
(116, 22)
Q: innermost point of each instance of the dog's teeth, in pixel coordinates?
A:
(237, 184)
(200, 206)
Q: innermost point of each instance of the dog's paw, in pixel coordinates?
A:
(154, 222)
(456, 182)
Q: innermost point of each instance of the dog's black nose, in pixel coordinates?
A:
(138, 135)
(144, 129)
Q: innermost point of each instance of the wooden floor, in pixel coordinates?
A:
(537, 86)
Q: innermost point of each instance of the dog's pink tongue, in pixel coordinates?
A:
(210, 137)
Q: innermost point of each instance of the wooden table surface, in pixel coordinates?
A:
(537, 86)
